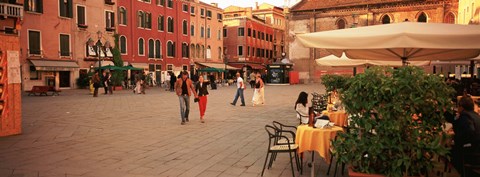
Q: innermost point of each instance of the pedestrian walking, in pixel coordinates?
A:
(109, 83)
(201, 89)
(258, 93)
(143, 83)
(252, 79)
(138, 83)
(105, 85)
(96, 83)
(167, 81)
(184, 89)
(240, 88)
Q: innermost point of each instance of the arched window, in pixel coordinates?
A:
(203, 51)
(141, 19)
(209, 52)
(450, 18)
(170, 24)
(386, 19)
(341, 24)
(161, 23)
(151, 48)
(170, 49)
(192, 29)
(185, 52)
(192, 50)
(202, 31)
(198, 51)
(158, 49)
(422, 17)
(148, 20)
(123, 16)
(123, 45)
(141, 45)
(219, 53)
(208, 31)
(185, 27)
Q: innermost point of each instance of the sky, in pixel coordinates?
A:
(247, 3)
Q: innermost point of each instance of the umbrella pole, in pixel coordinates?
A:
(404, 61)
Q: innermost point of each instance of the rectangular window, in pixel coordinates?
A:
(248, 51)
(241, 31)
(219, 35)
(202, 12)
(34, 6)
(254, 34)
(64, 45)
(110, 20)
(219, 17)
(148, 20)
(81, 20)
(161, 2)
(185, 8)
(66, 8)
(34, 43)
(249, 32)
(224, 32)
(202, 32)
(209, 13)
(253, 51)
(192, 10)
(170, 3)
(240, 50)
(151, 67)
(170, 67)
(208, 33)
(161, 23)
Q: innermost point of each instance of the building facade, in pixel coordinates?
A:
(468, 12)
(315, 15)
(206, 39)
(151, 35)
(46, 42)
(251, 40)
(10, 78)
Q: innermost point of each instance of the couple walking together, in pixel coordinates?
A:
(258, 94)
(184, 88)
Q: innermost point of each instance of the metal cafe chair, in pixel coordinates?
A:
(274, 148)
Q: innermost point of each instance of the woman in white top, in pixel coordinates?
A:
(301, 107)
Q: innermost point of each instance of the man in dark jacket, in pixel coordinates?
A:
(466, 126)
(173, 79)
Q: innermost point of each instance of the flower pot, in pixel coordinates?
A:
(117, 88)
(351, 173)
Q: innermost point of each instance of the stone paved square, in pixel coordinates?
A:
(125, 134)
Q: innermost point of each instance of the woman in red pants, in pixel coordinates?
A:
(201, 89)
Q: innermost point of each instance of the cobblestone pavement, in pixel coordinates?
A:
(140, 135)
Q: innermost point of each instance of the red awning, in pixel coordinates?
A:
(252, 65)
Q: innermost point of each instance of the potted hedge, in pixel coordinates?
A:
(118, 76)
(396, 122)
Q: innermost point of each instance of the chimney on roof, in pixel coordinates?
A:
(214, 4)
(256, 5)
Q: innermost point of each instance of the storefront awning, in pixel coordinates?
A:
(140, 65)
(54, 65)
(252, 65)
(219, 66)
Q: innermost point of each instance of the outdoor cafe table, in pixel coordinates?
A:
(315, 139)
(339, 118)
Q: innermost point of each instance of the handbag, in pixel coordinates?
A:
(196, 100)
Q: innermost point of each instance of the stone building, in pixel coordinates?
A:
(468, 12)
(319, 15)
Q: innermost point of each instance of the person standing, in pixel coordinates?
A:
(257, 94)
(184, 89)
(138, 83)
(252, 79)
(109, 83)
(212, 81)
(240, 88)
(105, 85)
(143, 83)
(167, 81)
(201, 89)
(173, 80)
(96, 83)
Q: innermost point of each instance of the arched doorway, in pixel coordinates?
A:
(450, 18)
(422, 17)
(341, 24)
(386, 19)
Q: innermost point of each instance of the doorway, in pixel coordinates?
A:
(64, 78)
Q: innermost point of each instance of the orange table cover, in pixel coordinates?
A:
(315, 139)
(339, 118)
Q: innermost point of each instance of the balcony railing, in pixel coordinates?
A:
(11, 10)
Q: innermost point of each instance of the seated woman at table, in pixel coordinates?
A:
(302, 108)
(466, 126)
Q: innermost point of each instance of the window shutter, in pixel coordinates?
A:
(112, 16)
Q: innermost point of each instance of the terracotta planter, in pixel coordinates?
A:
(351, 173)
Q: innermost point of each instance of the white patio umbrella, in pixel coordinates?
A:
(344, 61)
(400, 41)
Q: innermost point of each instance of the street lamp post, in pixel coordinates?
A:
(99, 45)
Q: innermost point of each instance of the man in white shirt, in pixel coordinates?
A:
(240, 88)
